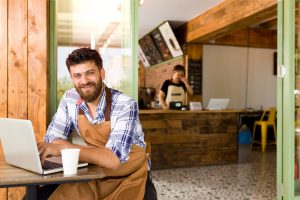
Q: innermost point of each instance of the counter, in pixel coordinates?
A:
(190, 138)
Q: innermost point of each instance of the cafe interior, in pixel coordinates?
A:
(229, 51)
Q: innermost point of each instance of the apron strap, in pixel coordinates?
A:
(108, 104)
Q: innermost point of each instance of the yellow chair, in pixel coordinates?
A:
(264, 124)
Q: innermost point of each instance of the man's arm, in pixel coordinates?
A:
(61, 125)
(161, 98)
(96, 155)
(117, 148)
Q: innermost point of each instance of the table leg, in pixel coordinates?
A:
(31, 192)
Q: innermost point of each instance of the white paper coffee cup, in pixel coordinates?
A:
(70, 159)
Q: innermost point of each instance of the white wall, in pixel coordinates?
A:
(245, 75)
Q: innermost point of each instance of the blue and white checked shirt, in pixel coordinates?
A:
(125, 125)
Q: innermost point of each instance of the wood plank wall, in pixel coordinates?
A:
(23, 67)
(3, 71)
(190, 139)
(37, 66)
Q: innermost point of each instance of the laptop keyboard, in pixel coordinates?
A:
(51, 165)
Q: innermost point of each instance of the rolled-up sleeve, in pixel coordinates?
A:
(121, 136)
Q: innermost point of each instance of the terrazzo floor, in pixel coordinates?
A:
(253, 180)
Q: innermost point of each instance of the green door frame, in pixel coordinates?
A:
(279, 157)
(286, 100)
(52, 59)
(134, 47)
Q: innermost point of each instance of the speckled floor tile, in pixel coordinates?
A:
(254, 180)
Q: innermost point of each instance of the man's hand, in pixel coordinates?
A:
(183, 79)
(48, 150)
(187, 85)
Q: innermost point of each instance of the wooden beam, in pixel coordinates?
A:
(224, 18)
(270, 24)
(249, 37)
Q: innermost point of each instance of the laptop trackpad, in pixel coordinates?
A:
(52, 163)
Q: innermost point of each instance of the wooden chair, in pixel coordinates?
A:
(148, 149)
(267, 120)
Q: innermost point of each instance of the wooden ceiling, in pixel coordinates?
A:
(234, 22)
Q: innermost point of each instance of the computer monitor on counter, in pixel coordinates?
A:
(218, 104)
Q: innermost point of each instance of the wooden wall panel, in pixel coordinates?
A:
(17, 69)
(23, 68)
(3, 73)
(17, 59)
(202, 138)
(194, 50)
(37, 66)
(3, 60)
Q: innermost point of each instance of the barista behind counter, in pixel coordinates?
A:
(174, 89)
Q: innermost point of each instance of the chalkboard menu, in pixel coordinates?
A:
(159, 45)
(195, 75)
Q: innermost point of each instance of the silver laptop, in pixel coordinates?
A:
(218, 104)
(20, 147)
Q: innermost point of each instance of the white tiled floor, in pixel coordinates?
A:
(255, 180)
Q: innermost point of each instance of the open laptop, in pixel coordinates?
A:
(20, 147)
(218, 104)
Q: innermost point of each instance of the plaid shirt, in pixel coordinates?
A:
(125, 125)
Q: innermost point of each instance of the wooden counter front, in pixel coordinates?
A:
(190, 138)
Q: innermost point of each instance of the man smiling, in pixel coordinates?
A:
(108, 121)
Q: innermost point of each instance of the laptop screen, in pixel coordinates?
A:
(218, 104)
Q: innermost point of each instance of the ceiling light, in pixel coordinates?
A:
(141, 2)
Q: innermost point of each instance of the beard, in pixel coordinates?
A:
(94, 94)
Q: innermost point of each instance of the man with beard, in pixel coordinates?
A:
(108, 122)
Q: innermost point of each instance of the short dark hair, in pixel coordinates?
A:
(82, 55)
(179, 68)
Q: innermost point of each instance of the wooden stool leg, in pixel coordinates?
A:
(254, 128)
(253, 135)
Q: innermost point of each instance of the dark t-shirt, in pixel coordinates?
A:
(168, 82)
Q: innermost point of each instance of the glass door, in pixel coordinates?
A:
(107, 26)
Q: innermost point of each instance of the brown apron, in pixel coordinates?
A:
(127, 182)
